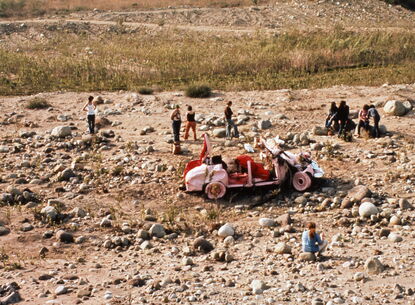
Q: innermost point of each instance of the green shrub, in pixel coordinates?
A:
(198, 91)
(37, 103)
(145, 91)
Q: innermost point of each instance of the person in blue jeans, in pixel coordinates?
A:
(230, 123)
(311, 240)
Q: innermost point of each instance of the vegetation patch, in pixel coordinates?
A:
(198, 91)
(145, 91)
(37, 103)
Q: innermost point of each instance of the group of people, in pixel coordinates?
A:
(338, 119)
(176, 119)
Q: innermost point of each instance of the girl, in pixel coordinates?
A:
(312, 242)
(363, 119)
(90, 108)
(191, 123)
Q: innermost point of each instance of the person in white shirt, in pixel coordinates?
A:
(90, 108)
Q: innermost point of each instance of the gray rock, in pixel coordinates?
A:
(26, 227)
(143, 234)
(384, 232)
(4, 231)
(12, 298)
(373, 266)
(320, 131)
(49, 212)
(258, 286)
(61, 290)
(267, 222)
(408, 106)
(61, 131)
(64, 237)
(359, 192)
(146, 245)
(307, 257)
(226, 230)
(219, 132)
(393, 237)
(367, 209)
(203, 245)
(264, 124)
(66, 174)
(282, 248)
(404, 204)
(394, 107)
(284, 220)
(157, 230)
(106, 222)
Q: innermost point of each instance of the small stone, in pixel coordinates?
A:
(284, 220)
(359, 192)
(307, 257)
(157, 230)
(26, 227)
(226, 230)
(4, 231)
(358, 276)
(367, 209)
(282, 248)
(373, 266)
(202, 244)
(61, 290)
(393, 237)
(404, 204)
(266, 222)
(394, 220)
(258, 286)
(64, 236)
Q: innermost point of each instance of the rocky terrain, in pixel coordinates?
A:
(100, 220)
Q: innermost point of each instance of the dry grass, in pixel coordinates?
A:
(20, 8)
(174, 60)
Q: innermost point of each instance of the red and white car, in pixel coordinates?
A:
(215, 180)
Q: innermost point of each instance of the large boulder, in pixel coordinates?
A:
(394, 107)
(219, 132)
(61, 131)
(367, 209)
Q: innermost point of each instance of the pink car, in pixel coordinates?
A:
(215, 180)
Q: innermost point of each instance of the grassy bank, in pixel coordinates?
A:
(172, 60)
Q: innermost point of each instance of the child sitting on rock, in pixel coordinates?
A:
(312, 242)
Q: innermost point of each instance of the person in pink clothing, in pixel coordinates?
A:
(363, 119)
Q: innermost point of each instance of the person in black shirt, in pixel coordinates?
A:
(230, 123)
(191, 123)
(342, 116)
(176, 123)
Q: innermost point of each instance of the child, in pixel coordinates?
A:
(363, 119)
(312, 242)
(191, 123)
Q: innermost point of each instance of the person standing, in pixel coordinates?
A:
(311, 240)
(176, 123)
(90, 108)
(190, 122)
(373, 113)
(342, 116)
(230, 123)
(363, 119)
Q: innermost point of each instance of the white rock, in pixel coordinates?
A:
(61, 131)
(367, 209)
(226, 230)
